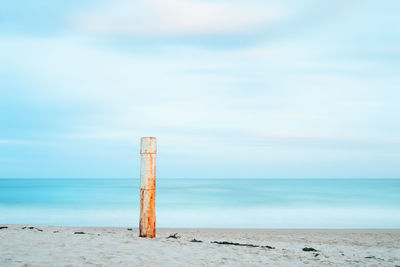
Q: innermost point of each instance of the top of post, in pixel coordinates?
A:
(148, 145)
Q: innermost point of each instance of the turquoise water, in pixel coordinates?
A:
(238, 203)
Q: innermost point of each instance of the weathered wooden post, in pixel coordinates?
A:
(148, 150)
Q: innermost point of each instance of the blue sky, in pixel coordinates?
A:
(257, 89)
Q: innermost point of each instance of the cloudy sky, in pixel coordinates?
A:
(251, 89)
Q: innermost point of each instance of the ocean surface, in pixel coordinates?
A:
(207, 203)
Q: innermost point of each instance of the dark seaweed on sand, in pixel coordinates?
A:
(242, 245)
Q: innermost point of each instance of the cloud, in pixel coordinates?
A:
(131, 94)
(154, 18)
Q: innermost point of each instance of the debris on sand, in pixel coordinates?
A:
(309, 249)
(79, 233)
(196, 241)
(373, 257)
(269, 247)
(175, 236)
(240, 244)
(31, 228)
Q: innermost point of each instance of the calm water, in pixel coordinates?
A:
(239, 203)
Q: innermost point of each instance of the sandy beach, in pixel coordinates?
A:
(25, 245)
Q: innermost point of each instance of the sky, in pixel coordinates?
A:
(231, 89)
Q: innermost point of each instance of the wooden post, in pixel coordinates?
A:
(148, 150)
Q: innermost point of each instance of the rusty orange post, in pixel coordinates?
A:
(148, 150)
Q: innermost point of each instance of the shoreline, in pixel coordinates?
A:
(117, 246)
(366, 230)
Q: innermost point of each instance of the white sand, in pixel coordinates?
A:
(59, 246)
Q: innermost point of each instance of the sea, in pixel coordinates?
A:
(205, 203)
